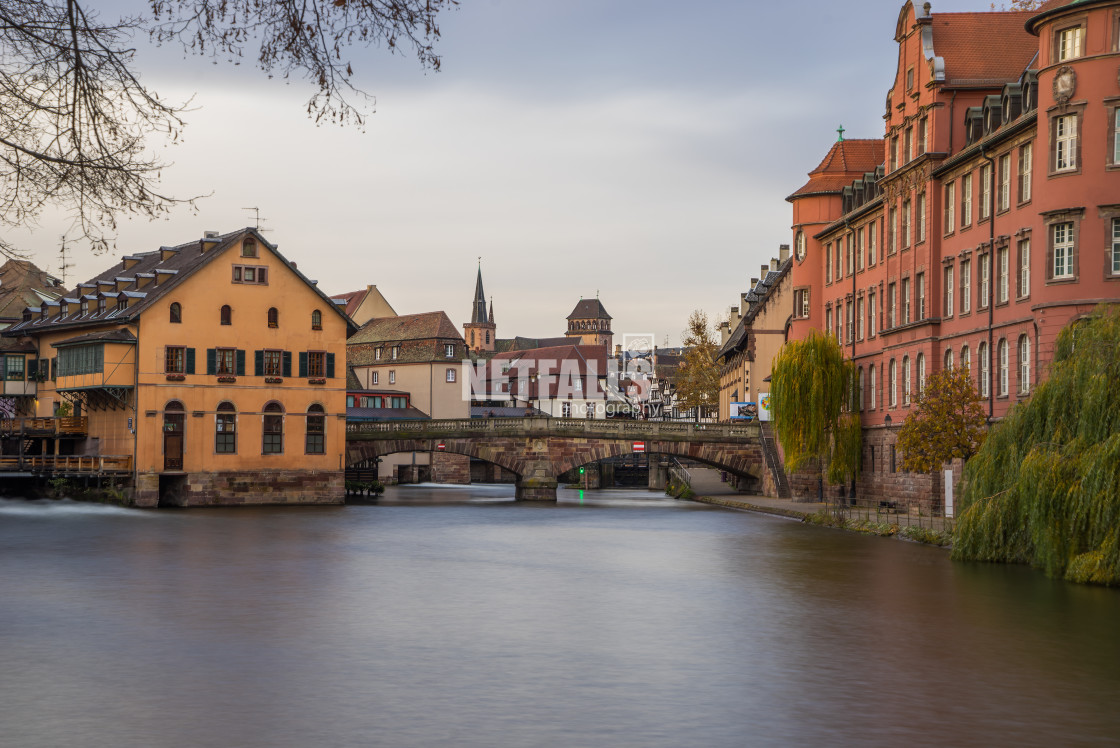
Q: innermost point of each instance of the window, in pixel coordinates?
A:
(828, 320)
(801, 302)
(316, 320)
(905, 380)
(893, 237)
(849, 322)
(909, 78)
(985, 279)
(1063, 249)
(908, 144)
(225, 429)
(392, 377)
(565, 410)
(176, 313)
(949, 308)
(892, 306)
(13, 368)
(893, 385)
(100, 304)
(905, 301)
(985, 192)
(377, 352)
(226, 315)
(273, 317)
(871, 387)
(799, 245)
(175, 360)
(122, 303)
(894, 153)
(1065, 143)
(273, 430)
(966, 200)
(950, 207)
(948, 358)
(859, 390)
(871, 234)
(73, 360)
(921, 374)
(1024, 365)
(1026, 165)
(860, 315)
(921, 296)
(315, 443)
(271, 363)
(225, 361)
(922, 217)
(1004, 274)
(828, 263)
(394, 352)
(1116, 136)
(1024, 267)
(966, 286)
(1003, 189)
(449, 350)
(375, 376)
(1116, 246)
(861, 243)
(871, 314)
(982, 355)
(966, 361)
(316, 364)
(1069, 44)
(250, 274)
(1003, 367)
(906, 219)
(249, 248)
(851, 254)
(450, 375)
(923, 135)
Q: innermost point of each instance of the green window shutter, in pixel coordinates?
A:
(190, 361)
(303, 363)
(54, 368)
(287, 364)
(330, 366)
(258, 363)
(240, 362)
(211, 364)
(32, 368)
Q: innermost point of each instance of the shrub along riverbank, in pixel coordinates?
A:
(1045, 487)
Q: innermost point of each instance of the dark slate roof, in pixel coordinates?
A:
(507, 345)
(478, 308)
(183, 261)
(589, 309)
(505, 411)
(761, 294)
(102, 336)
(425, 326)
(384, 414)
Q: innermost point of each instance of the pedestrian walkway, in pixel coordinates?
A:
(709, 488)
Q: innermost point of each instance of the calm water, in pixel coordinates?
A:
(455, 617)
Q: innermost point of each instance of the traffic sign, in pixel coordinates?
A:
(639, 446)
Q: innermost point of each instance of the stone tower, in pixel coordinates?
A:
(480, 332)
(589, 324)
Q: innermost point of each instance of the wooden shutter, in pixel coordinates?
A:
(32, 368)
(330, 366)
(54, 368)
(258, 363)
(303, 363)
(286, 363)
(211, 364)
(190, 361)
(240, 362)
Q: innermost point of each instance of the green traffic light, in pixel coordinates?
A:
(581, 471)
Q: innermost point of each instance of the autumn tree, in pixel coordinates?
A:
(76, 120)
(698, 377)
(811, 393)
(948, 422)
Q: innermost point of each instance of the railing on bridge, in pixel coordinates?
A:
(63, 426)
(68, 464)
(623, 429)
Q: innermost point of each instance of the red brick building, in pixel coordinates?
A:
(985, 220)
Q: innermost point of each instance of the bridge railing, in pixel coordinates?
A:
(91, 464)
(560, 426)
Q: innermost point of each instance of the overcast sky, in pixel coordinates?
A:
(641, 149)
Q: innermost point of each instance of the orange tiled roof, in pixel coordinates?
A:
(984, 48)
(846, 161)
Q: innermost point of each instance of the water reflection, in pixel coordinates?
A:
(460, 617)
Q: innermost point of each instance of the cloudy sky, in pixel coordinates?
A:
(638, 149)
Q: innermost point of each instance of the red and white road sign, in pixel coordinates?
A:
(639, 446)
(441, 446)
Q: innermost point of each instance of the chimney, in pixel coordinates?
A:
(618, 350)
(209, 240)
(724, 332)
(294, 265)
(754, 282)
(773, 263)
(765, 270)
(783, 252)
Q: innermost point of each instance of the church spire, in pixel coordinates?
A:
(492, 311)
(478, 313)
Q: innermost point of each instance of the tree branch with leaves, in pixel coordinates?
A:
(698, 378)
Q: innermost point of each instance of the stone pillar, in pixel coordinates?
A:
(658, 475)
(146, 491)
(536, 483)
(450, 468)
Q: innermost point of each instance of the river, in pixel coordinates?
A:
(457, 617)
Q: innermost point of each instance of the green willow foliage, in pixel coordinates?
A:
(810, 385)
(1045, 487)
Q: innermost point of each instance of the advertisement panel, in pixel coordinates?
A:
(764, 406)
(744, 412)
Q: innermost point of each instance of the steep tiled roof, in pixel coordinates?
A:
(102, 336)
(506, 345)
(22, 284)
(425, 326)
(846, 161)
(353, 300)
(589, 309)
(988, 48)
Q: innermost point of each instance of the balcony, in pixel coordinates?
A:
(48, 427)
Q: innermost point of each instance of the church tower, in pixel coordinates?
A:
(480, 332)
(589, 324)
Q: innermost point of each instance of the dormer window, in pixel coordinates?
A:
(100, 304)
(122, 304)
(84, 306)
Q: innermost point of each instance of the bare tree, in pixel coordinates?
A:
(75, 118)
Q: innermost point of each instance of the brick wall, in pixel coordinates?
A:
(243, 488)
(451, 468)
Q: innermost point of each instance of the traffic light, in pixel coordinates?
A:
(581, 471)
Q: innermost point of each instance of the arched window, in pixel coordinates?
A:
(799, 245)
(225, 429)
(273, 443)
(1024, 364)
(893, 384)
(982, 355)
(173, 424)
(871, 394)
(227, 315)
(316, 320)
(966, 358)
(487, 337)
(905, 380)
(176, 313)
(948, 359)
(859, 402)
(316, 430)
(273, 317)
(249, 248)
(921, 374)
(1003, 367)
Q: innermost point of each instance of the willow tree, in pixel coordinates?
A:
(811, 391)
(1045, 487)
(698, 378)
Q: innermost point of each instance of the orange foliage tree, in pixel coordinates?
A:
(948, 422)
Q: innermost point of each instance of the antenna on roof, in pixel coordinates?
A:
(257, 217)
(63, 265)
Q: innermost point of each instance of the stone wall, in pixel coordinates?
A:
(451, 468)
(241, 488)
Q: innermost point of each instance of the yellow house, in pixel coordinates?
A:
(211, 364)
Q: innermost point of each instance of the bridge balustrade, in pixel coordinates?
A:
(559, 426)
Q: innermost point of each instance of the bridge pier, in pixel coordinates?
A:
(535, 488)
(658, 474)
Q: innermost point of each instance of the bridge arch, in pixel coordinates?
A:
(358, 453)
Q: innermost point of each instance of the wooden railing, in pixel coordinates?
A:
(88, 464)
(45, 426)
(595, 428)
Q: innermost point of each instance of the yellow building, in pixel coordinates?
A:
(211, 364)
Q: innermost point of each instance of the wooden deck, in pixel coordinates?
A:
(32, 427)
(67, 464)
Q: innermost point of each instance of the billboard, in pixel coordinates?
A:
(744, 412)
(764, 406)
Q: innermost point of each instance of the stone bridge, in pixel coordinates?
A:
(539, 450)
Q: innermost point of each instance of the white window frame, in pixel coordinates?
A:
(1024, 267)
(871, 314)
(1026, 171)
(1065, 143)
(1069, 43)
(985, 279)
(1024, 364)
(906, 380)
(950, 207)
(966, 200)
(1004, 192)
(1004, 355)
(949, 307)
(984, 360)
(1064, 246)
(985, 192)
(1004, 274)
(966, 286)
